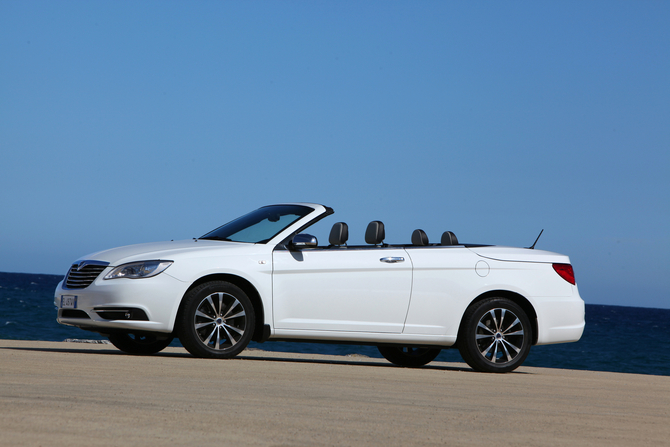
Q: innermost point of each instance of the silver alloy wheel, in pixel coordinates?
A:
(220, 321)
(500, 335)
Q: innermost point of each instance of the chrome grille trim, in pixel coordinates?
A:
(83, 273)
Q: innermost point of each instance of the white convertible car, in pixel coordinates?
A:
(261, 277)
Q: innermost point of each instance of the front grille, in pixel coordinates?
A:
(82, 274)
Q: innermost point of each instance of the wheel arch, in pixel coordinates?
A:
(249, 290)
(518, 299)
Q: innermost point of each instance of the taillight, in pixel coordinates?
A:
(565, 271)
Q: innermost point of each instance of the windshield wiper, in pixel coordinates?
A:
(217, 238)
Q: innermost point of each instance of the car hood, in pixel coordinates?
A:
(165, 250)
(519, 254)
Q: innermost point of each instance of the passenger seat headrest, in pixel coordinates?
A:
(339, 234)
(449, 238)
(419, 237)
(374, 234)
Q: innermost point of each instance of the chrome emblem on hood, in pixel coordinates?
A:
(81, 265)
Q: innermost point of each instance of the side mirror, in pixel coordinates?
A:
(304, 240)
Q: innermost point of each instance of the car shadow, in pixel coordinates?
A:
(83, 350)
(254, 356)
(259, 357)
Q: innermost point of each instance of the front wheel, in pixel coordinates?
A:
(495, 336)
(141, 344)
(408, 356)
(217, 320)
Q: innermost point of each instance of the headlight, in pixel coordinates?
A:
(137, 270)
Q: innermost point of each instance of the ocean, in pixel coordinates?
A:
(616, 338)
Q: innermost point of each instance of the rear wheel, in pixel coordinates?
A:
(142, 344)
(408, 356)
(495, 336)
(217, 320)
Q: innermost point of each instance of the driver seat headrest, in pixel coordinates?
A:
(339, 234)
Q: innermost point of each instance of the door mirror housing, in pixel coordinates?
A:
(304, 240)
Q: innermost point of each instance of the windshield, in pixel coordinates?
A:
(259, 226)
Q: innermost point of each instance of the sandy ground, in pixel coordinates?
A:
(71, 394)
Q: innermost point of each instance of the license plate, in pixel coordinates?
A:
(68, 301)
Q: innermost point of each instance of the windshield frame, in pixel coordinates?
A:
(261, 225)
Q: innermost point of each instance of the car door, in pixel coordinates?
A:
(363, 289)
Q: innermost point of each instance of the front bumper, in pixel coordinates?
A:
(147, 304)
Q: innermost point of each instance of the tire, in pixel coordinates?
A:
(408, 356)
(140, 344)
(217, 320)
(495, 336)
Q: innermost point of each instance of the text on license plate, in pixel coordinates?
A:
(68, 301)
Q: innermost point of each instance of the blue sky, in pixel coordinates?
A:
(129, 122)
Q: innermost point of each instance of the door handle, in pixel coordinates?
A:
(392, 260)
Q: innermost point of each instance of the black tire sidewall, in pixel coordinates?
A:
(127, 344)
(186, 329)
(467, 344)
(395, 355)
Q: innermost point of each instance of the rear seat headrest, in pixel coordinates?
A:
(449, 238)
(419, 237)
(374, 234)
(339, 234)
